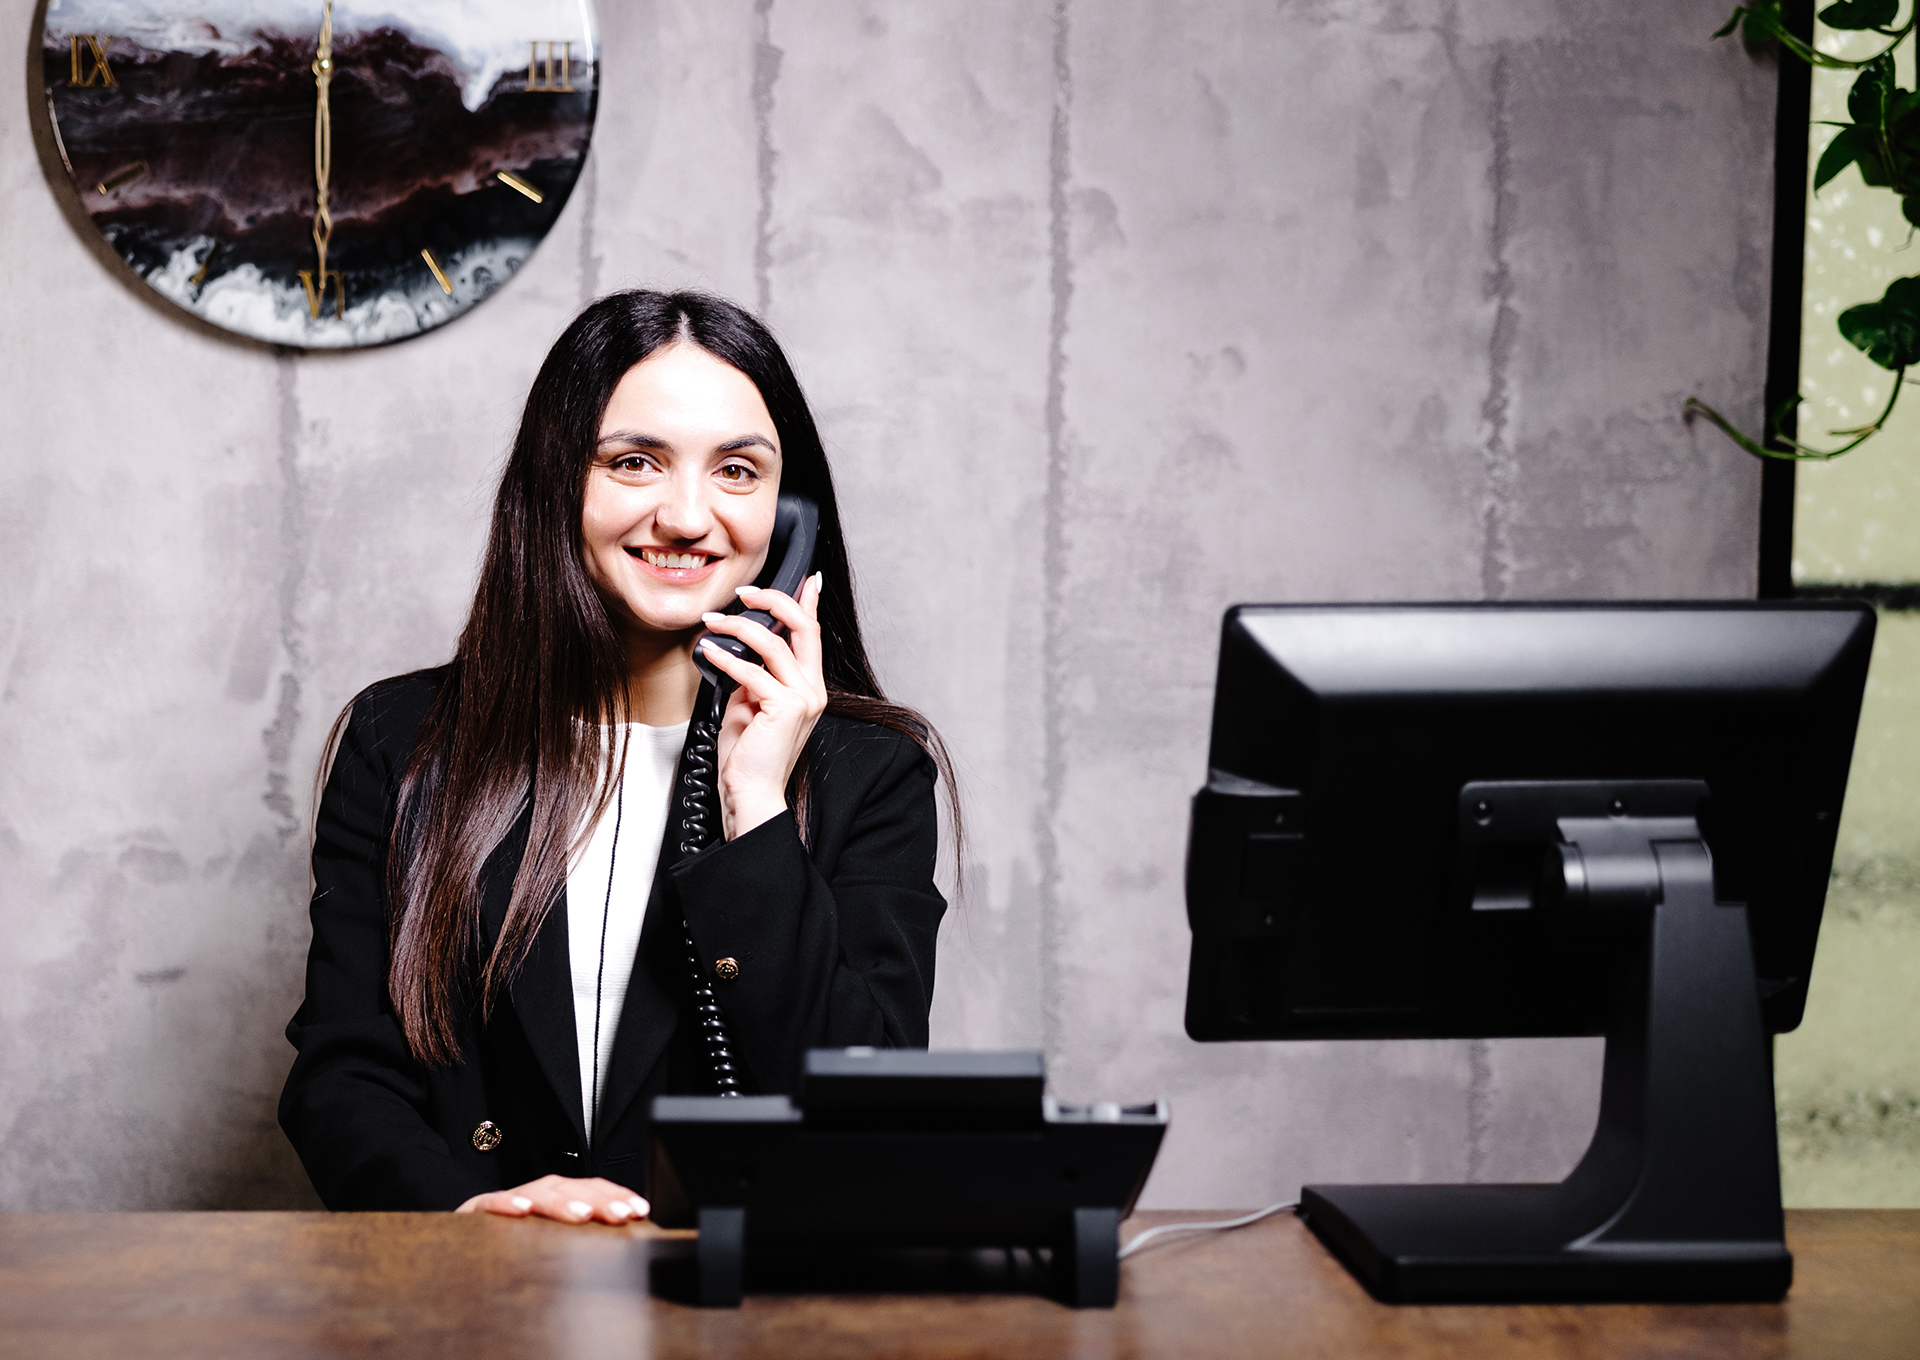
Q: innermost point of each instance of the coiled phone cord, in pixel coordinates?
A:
(699, 783)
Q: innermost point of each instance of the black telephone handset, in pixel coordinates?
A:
(796, 527)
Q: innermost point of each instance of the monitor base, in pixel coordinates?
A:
(1678, 1196)
(1484, 1244)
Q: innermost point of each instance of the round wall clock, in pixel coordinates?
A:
(322, 173)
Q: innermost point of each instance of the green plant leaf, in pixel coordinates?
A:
(1732, 23)
(1887, 331)
(1873, 166)
(1910, 209)
(1841, 152)
(1904, 178)
(1762, 22)
(1872, 93)
(1859, 14)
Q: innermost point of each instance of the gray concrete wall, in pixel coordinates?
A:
(1113, 314)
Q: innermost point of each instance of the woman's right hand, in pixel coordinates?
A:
(563, 1199)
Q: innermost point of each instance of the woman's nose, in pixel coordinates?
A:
(685, 514)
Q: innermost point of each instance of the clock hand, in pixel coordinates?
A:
(323, 148)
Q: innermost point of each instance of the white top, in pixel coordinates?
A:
(603, 918)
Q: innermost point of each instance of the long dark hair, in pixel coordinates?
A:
(539, 654)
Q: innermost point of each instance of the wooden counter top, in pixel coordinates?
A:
(270, 1284)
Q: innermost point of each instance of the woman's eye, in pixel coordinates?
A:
(736, 472)
(632, 462)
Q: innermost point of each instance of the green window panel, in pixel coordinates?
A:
(1848, 1080)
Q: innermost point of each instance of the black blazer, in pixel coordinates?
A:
(835, 945)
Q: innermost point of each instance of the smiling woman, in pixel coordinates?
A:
(499, 980)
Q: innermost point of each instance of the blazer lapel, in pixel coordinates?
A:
(648, 1018)
(541, 990)
(656, 986)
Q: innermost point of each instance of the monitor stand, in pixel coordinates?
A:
(1678, 1197)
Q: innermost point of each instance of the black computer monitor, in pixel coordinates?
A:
(1477, 820)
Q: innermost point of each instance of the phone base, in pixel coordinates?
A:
(897, 1156)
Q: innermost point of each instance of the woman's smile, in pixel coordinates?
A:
(683, 568)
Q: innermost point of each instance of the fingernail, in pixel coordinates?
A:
(579, 1208)
(521, 1202)
(619, 1210)
(742, 590)
(712, 616)
(640, 1206)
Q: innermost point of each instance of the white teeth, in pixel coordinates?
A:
(673, 561)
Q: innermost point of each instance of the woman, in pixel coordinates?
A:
(517, 917)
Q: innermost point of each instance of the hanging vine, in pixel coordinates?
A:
(1884, 141)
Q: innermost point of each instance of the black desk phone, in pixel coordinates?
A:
(796, 528)
(903, 1148)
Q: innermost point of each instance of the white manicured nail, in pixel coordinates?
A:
(579, 1208)
(619, 1210)
(743, 590)
(711, 617)
(640, 1206)
(521, 1202)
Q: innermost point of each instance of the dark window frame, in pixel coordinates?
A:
(1792, 113)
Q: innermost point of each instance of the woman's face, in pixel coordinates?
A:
(680, 496)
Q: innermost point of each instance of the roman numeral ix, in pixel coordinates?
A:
(90, 60)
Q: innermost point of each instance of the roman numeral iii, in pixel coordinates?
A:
(540, 71)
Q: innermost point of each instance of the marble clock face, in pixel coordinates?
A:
(322, 175)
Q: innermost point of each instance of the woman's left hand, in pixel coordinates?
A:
(772, 713)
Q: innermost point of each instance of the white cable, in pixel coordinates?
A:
(1141, 1239)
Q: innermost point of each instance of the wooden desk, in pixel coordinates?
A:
(423, 1285)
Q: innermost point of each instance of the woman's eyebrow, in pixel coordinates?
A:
(637, 440)
(633, 439)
